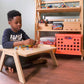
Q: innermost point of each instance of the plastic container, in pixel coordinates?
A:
(68, 44)
(47, 40)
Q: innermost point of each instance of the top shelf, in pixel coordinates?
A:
(62, 1)
(48, 10)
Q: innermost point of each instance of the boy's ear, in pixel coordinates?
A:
(9, 22)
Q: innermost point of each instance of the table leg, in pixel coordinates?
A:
(2, 60)
(82, 58)
(53, 57)
(19, 68)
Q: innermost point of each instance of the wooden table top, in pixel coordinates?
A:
(31, 51)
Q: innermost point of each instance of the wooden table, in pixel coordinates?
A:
(25, 53)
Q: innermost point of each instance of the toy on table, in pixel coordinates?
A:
(24, 46)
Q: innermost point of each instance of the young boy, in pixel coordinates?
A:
(15, 36)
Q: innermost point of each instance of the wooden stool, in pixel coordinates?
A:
(25, 53)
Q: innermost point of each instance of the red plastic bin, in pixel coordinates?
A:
(68, 44)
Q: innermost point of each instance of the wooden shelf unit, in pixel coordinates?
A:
(40, 10)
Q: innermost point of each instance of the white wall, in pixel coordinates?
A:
(26, 7)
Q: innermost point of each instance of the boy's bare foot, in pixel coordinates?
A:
(10, 69)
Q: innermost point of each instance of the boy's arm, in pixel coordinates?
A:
(25, 38)
(17, 43)
(6, 43)
(24, 42)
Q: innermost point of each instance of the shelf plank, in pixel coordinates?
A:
(63, 19)
(52, 2)
(59, 30)
(47, 10)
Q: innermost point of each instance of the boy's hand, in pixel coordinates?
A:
(35, 44)
(26, 42)
(30, 42)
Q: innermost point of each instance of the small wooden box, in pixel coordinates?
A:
(43, 27)
(71, 26)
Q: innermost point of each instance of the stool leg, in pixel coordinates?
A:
(19, 68)
(53, 57)
(2, 60)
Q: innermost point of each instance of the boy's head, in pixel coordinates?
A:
(14, 19)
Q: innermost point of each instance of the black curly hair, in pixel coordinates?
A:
(12, 14)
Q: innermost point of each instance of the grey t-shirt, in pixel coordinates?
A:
(9, 37)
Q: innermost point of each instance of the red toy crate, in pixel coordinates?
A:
(68, 44)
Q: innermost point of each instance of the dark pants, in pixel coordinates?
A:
(25, 61)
